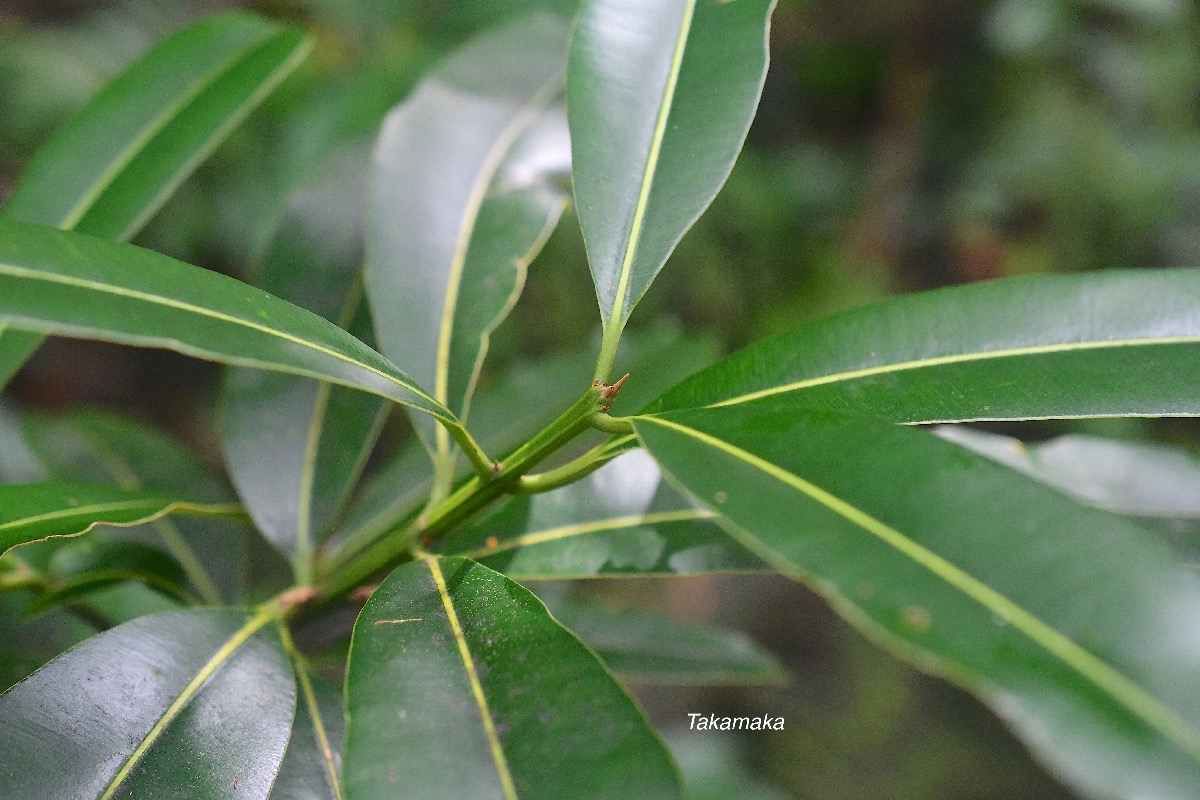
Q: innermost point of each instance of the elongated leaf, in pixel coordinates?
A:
(1099, 344)
(622, 519)
(67, 283)
(447, 248)
(509, 704)
(36, 511)
(1074, 624)
(185, 704)
(649, 647)
(94, 447)
(1136, 478)
(118, 160)
(294, 446)
(686, 78)
(311, 768)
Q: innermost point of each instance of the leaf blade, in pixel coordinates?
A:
(95, 447)
(644, 176)
(311, 768)
(1060, 668)
(518, 687)
(33, 512)
(149, 717)
(435, 160)
(67, 283)
(1035, 347)
(116, 161)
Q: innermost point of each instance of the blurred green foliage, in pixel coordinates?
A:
(900, 145)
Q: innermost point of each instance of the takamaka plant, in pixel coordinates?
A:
(811, 454)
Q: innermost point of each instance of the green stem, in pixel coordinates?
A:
(484, 466)
(568, 473)
(619, 426)
(608, 350)
(341, 576)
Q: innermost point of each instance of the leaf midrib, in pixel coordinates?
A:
(584, 528)
(17, 271)
(616, 322)
(265, 87)
(223, 654)
(156, 125)
(483, 179)
(1106, 678)
(477, 691)
(956, 358)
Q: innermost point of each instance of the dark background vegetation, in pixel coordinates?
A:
(901, 145)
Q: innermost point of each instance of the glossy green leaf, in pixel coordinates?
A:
(311, 768)
(623, 519)
(1098, 344)
(118, 160)
(295, 447)
(193, 702)
(1075, 625)
(67, 283)
(509, 704)
(654, 648)
(95, 447)
(36, 511)
(452, 230)
(660, 95)
(1141, 479)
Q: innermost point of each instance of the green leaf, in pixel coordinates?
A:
(1023, 348)
(1073, 623)
(36, 511)
(67, 283)
(623, 519)
(295, 447)
(312, 764)
(1136, 478)
(117, 161)
(660, 95)
(654, 648)
(204, 708)
(452, 228)
(509, 704)
(95, 447)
